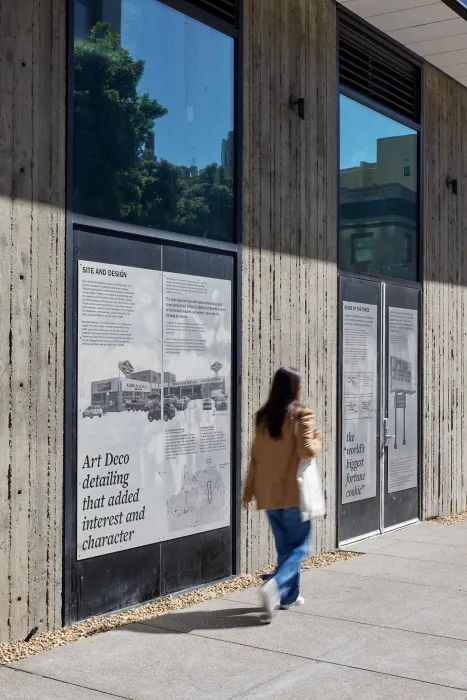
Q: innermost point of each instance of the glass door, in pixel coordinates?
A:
(378, 481)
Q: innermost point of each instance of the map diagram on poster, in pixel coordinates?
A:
(403, 400)
(153, 406)
(359, 401)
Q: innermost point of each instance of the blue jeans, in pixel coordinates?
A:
(291, 537)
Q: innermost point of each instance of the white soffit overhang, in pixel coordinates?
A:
(429, 28)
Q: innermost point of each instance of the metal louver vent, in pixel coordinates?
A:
(222, 9)
(374, 71)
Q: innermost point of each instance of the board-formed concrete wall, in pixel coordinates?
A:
(32, 304)
(444, 335)
(289, 303)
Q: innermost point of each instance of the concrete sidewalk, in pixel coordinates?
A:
(391, 624)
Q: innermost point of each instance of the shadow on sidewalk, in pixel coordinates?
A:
(190, 621)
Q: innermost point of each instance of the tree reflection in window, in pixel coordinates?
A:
(118, 173)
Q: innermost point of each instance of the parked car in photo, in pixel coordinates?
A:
(207, 405)
(92, 411)
(182, 403)
(154, 413)
(135, 405)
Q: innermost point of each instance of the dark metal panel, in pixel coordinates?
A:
(224, 9)
(117, 248)
(181, 563)
(222, 18)
(458, 7)
(195, 560)
(420, 276)
(360, 517)
(69, 474)
(217, 555)
(237, 300)
(120, 580)
(87, 223)
(370, 31)
(369, 66)
(187, 261)
(378, 107)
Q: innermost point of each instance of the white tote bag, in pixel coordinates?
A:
(312, 503)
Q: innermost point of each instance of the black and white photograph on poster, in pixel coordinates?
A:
(197, 382)
(403, 400)
(120, 453)
(359, 400)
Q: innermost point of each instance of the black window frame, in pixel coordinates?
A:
(360, 26)
(367, 29)
(458, 7)
(77, 222)
(234, 32)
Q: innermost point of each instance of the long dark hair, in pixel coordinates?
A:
(284, 391)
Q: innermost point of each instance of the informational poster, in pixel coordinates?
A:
(197, 358)
(403, 399)
(359, 400)
(153, 406)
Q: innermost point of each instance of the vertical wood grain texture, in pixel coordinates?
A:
(32, 237)
(444, 296)
(289, 301)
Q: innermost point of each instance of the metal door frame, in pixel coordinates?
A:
(383, 368)
(382, 405)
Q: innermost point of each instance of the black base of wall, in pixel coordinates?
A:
(120, 580)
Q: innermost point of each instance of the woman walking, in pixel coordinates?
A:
(285, 433)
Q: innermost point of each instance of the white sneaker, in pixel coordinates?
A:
(270, 599)
(296, 604)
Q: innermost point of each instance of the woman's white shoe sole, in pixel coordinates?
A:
(296, 604)
(269, 595)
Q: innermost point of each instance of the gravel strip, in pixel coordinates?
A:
(450, 519)
(14, 651)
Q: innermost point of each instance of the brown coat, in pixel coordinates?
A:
(272, 473)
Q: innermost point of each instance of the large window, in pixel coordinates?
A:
(378, 218)
(153, 118)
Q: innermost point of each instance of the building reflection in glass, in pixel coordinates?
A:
(378, 218)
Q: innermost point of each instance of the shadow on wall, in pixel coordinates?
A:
(290, 166)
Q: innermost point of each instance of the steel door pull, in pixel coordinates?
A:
(387, 436)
